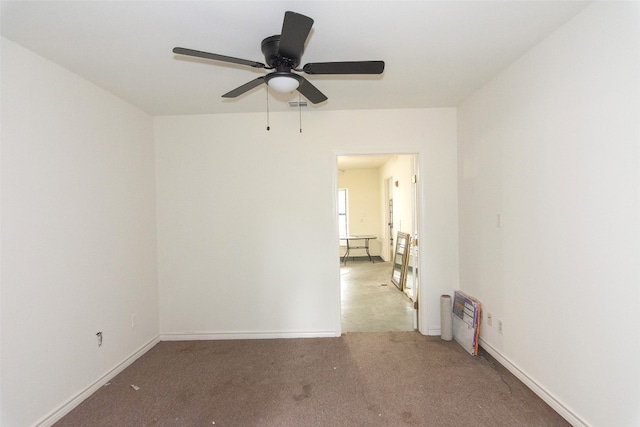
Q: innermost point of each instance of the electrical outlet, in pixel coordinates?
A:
(489, 319)
(499, 326)
(134, 320)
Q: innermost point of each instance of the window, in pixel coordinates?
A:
(343, 217)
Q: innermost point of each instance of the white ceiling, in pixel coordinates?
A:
(436, 52)
(363, 161)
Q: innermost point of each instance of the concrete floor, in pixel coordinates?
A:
(370, 302)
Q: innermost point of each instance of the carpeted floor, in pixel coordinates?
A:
(359, 379)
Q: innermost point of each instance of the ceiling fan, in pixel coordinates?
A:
(282, 54)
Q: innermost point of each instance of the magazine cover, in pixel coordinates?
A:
(466, 321)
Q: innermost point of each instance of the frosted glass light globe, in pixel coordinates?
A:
(283, 84)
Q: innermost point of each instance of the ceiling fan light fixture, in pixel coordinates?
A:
(282, 53)
(283, 84)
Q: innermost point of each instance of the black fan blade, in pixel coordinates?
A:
(244, 88)
(216, 57)
(310, 92)
(349, 67)
(295, 30)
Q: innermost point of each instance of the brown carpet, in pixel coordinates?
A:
(359, 379)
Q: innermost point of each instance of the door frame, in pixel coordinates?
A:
(416, 213)
(387, 246)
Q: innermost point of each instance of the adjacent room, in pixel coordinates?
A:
(151, 195)
(376, 201)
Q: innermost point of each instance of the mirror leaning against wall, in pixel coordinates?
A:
(401, 260)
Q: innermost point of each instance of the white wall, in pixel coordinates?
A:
(247, 228)
(553, 145)
(399, 168)
(78, 236)
(363, 207)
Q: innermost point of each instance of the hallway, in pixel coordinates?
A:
(370, 302)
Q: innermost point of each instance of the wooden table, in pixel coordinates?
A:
(364, 245)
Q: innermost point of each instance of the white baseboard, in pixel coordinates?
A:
(215, 336)
(433, 332)
(545, 395)
(65, 408)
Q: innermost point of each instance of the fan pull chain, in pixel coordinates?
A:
(268, 128)
(300, 110)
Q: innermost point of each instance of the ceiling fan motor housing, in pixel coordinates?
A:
(283, 53)
(270, 48)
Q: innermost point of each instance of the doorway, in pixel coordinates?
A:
(381, 201)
